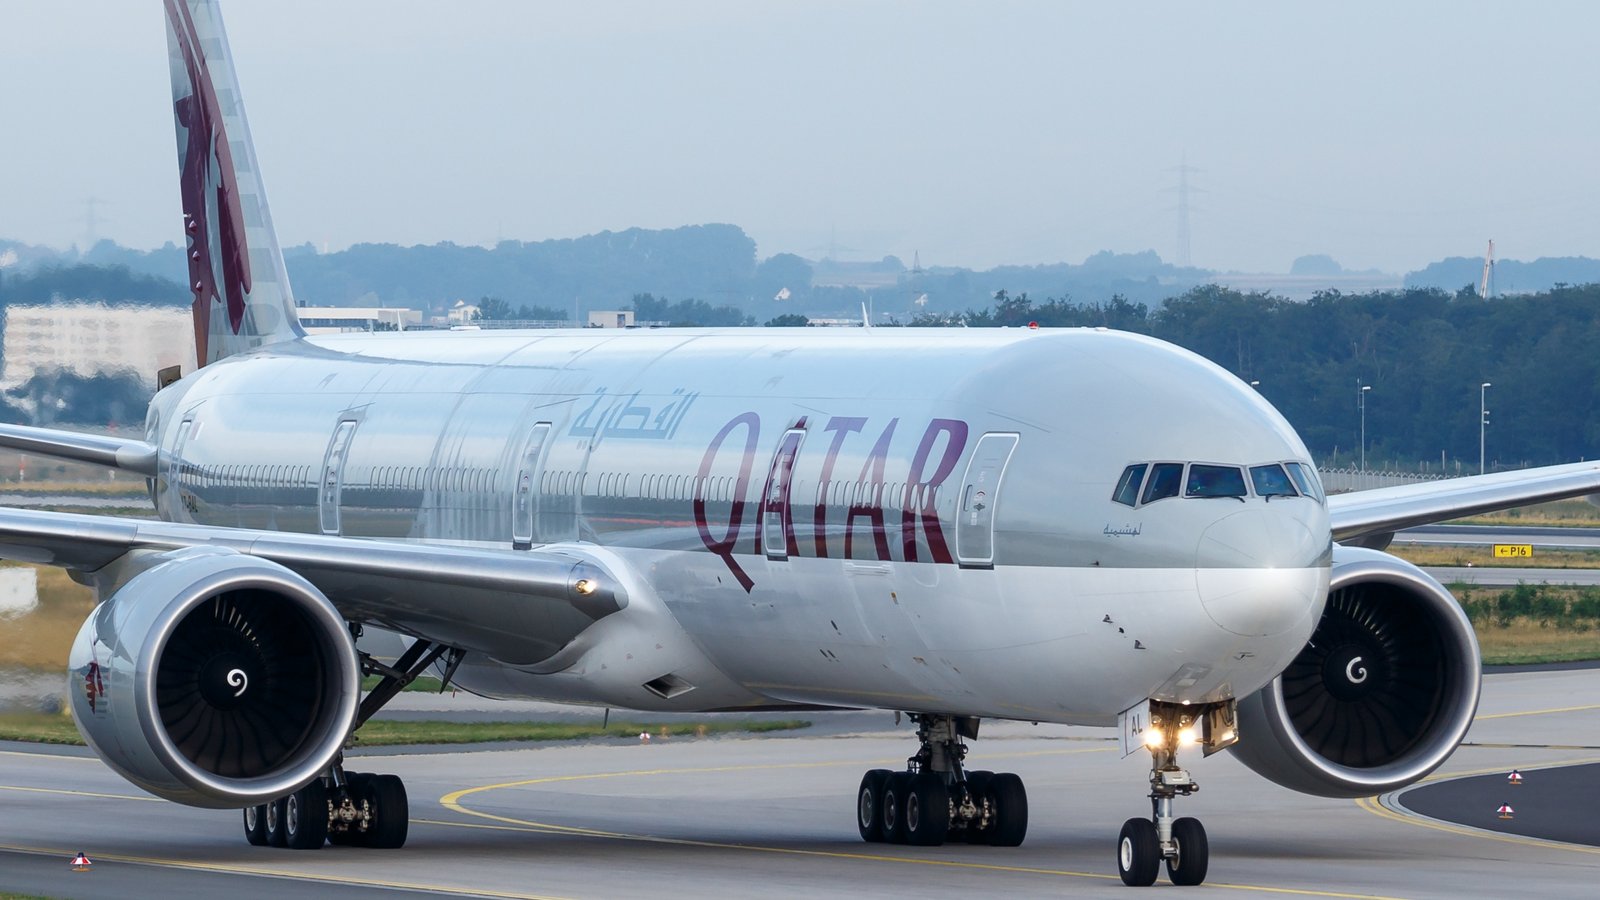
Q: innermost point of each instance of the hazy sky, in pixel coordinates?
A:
(1385, 134)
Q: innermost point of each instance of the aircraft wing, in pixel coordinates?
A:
(118, 453)
(519, 606)
(1387, 510)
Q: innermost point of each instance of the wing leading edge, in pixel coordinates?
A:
(1386, 510)
(118, 453)
(517, 606)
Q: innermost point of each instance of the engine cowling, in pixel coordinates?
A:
(215, 679)
(1381, 696)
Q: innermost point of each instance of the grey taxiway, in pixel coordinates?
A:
(731, 817)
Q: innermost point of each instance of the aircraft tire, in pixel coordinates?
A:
(391, 814)
(869, 805)
(255, 825)
(305, 817)
(1188, 867)
(1011, 810)
(894, 807)
(273, 825)
(927, 811)
(1138, 853)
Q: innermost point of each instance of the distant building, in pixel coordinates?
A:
(93, 339)
(336, 319)
(462, 313)
(611, 318)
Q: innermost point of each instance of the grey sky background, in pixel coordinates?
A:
(1385, 134)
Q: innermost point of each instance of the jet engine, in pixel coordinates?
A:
(1381, 695)
(215, 679)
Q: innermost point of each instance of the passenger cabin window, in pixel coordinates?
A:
(1164, 481)
(1127, 492)
(1271, 481)
(1215, 481)
(1305, 480)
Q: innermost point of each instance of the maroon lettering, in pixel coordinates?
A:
(723, 547)
(775, 511)
(841, 426)
(870, 504)
(920, 494)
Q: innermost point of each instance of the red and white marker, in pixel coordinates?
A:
(1506, 810)
(1515, 777)
(644, 737)
(81, 863)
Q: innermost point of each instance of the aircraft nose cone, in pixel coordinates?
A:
(1259, 571)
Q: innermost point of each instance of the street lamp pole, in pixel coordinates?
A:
(1361, 404)
(1483, 420)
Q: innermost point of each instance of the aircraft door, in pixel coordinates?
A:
(328, 488)
(524, 498)
(980, 489)
(777, 522)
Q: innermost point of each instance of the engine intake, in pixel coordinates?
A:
(1382, 694)
(215, 679)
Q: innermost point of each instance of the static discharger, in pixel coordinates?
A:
(1506, 811)
(81, 863)
(1515, 778)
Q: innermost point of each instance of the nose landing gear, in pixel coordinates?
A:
(1145, 843)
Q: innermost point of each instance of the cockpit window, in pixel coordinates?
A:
(1215, 481)
(1270, 481)
(1164, 481)
(1305, 480)
(1127, 492)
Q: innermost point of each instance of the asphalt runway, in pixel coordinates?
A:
(734, 817)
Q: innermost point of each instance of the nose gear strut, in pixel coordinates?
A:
(1181, 842)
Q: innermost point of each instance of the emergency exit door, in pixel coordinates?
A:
(525, 495)
(332, 482)
(980, 491)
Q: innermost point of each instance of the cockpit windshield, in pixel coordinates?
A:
(1215, 481)
(1271, 481)
(1146, 482)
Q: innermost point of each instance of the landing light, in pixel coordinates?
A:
(585, 586)
(1153, 737)
(1187, 737)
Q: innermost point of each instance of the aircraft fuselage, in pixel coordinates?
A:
(901, 518)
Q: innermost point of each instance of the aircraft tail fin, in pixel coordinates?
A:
(241, 290)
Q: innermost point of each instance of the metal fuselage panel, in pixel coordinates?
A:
(799, 499)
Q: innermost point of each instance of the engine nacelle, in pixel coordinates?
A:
(215, 679)
(1382, 694)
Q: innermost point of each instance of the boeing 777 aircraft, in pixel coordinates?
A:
(1076, 526)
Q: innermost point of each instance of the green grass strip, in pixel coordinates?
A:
(58, 729)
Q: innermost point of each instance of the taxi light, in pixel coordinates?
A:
(1187, 737)
(1153, 737)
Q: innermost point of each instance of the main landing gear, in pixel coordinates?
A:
(936, 799)
(1145, 843)
(352, 809)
